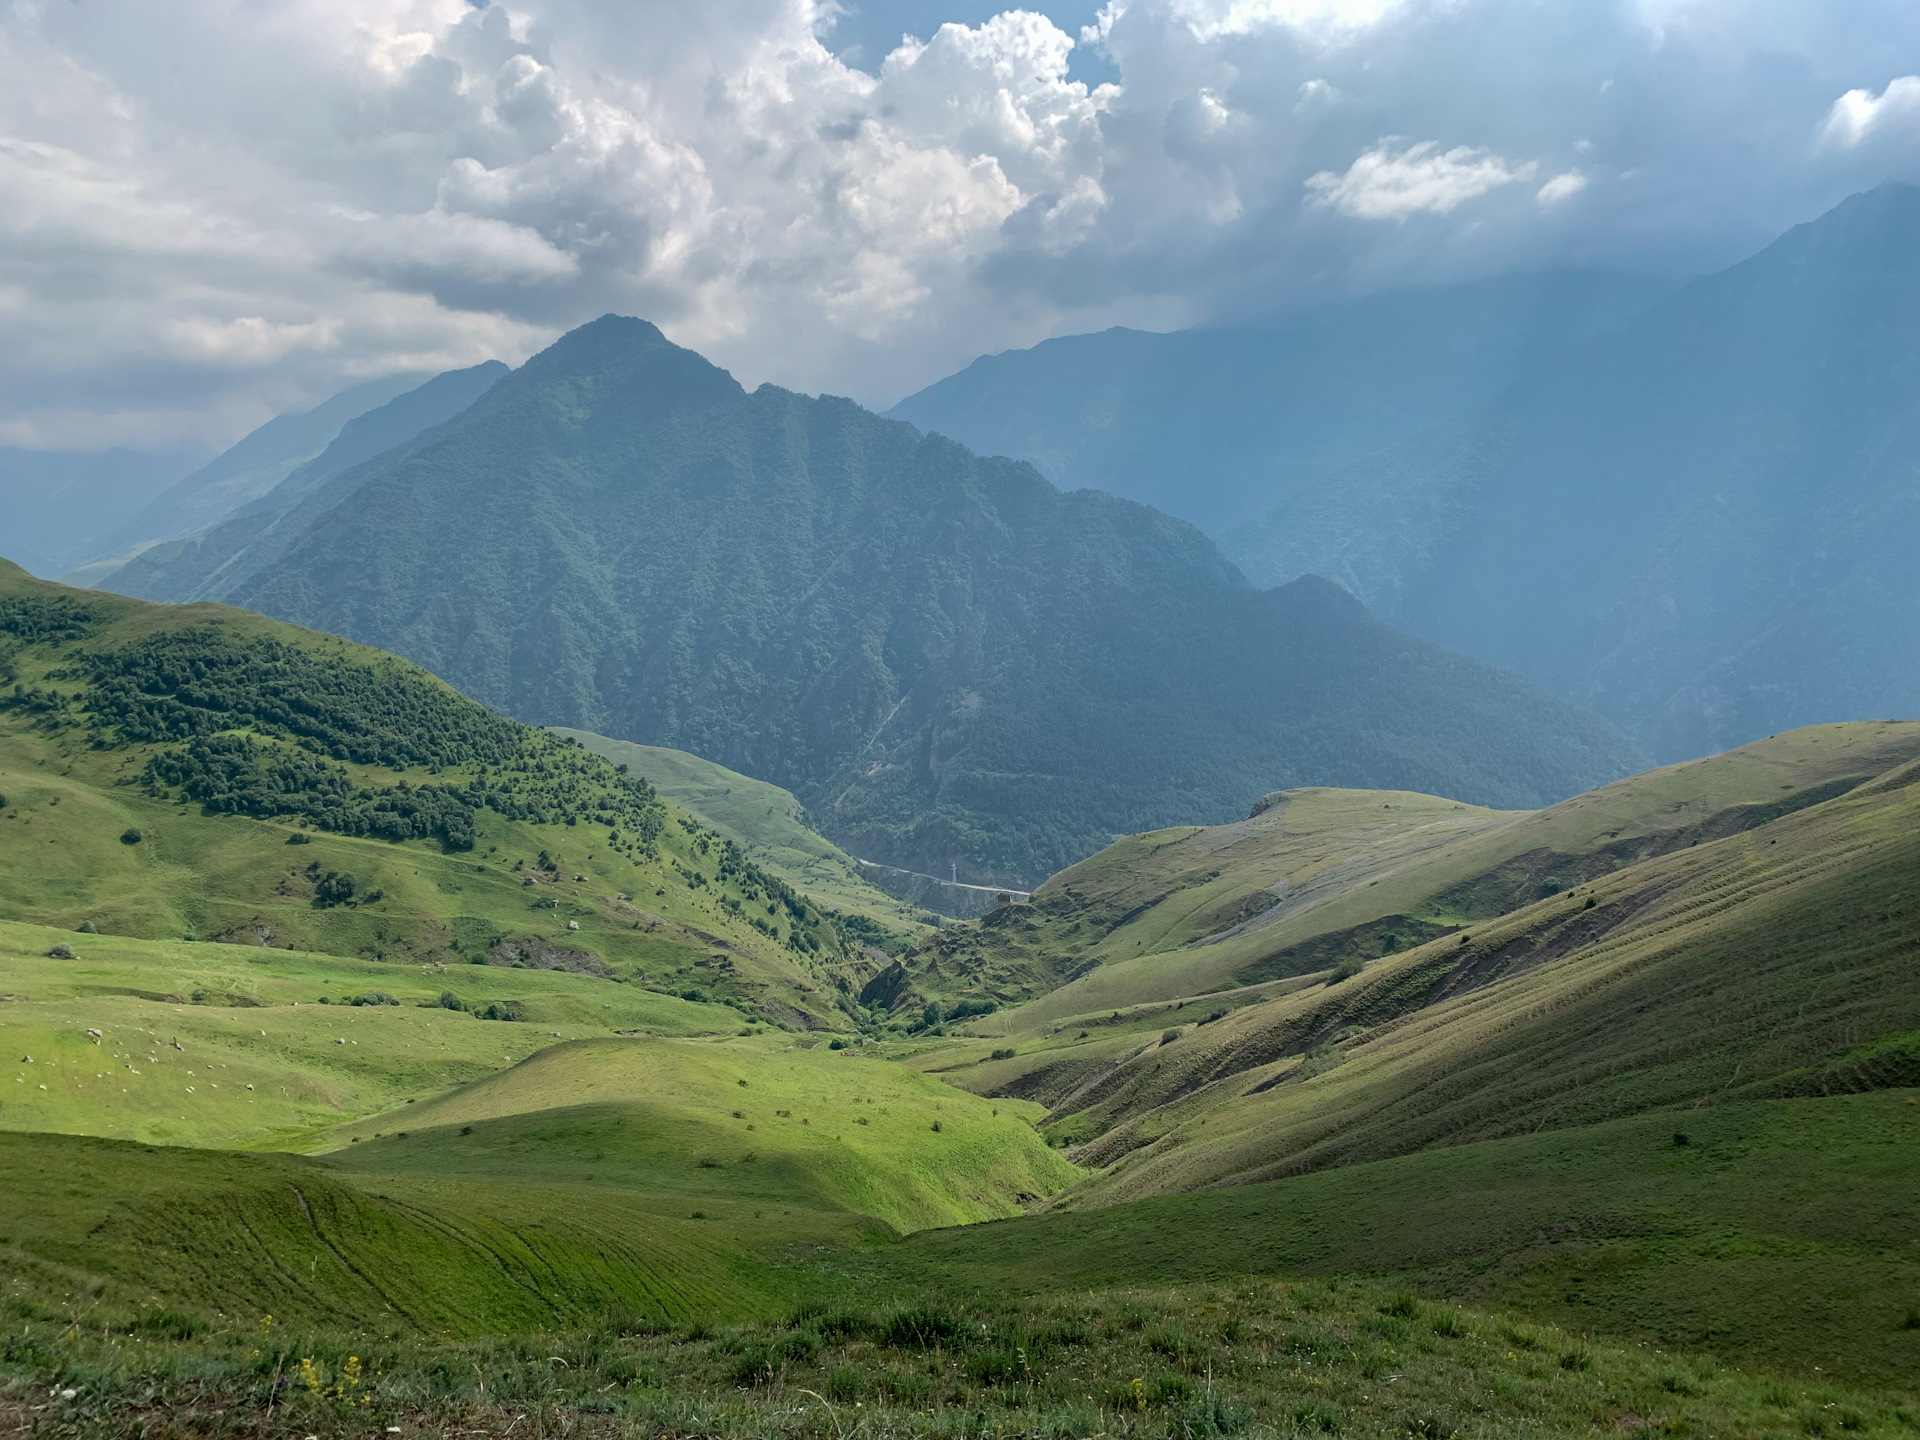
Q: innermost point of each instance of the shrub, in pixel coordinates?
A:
(836, 1044)
(1003, 1054)
(62, 951)
(85, 927)
(1345, 970)
(920, 1328)
(299, 837)
(1219, 1014)
(130, 836)
(373, 997)
(334, 888)
(1167, 1037)
(450, 1001)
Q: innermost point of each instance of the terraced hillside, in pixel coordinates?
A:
(196, 771)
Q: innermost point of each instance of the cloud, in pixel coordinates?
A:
(1386, 183)
(1563, 186)
(1860, 114)
(213, 211)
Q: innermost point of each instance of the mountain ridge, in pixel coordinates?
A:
(948, 660)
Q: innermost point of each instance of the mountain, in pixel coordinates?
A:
(955, 667)
(256, 533)
(1217, 425)
(244, 471)
(56, 506)
(1700, 527)
(197, 771)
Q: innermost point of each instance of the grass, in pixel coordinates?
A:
(255, 1060)
(1247, 1357)
(739, 1124)
(1781, 1236)
(770, 824)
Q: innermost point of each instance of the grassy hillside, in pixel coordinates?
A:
(178, 1043)
(1773, 962)
(770, 825)
(1777, 1234)
(196, 771)
(1318, 878)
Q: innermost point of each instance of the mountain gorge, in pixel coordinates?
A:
(955, 667)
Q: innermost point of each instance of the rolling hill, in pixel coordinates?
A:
(196, 771)
(954, 666)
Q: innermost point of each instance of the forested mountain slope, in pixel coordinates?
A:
(952, 664)
(1701, 527)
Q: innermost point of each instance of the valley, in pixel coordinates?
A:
(1375, 1077)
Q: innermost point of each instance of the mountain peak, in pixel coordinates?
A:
(632, 363)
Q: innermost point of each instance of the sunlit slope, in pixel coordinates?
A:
(225, 1045)
(1781, 1234)
(749, 1120)
(158, 762)
(1773, 962)
(764, 819)
(1316, 878)
(240, 1238)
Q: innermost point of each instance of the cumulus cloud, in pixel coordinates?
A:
(211, 211)
(1859, 114)
(1394, 180)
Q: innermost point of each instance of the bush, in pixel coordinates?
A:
(1345, 970)
(130, 836)
(1003, 1054)
(373, 997)
(836, 1044)
(1167, 1037)
(921, 1328)
(299, 837)
(334, 888)
(62, 951)
(449, 1001)
(85, 927)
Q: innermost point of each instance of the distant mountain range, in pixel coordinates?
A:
(1702, 527)
(957, 668)
(59, 507)
(250, 535)
(239, 474)
(1217, 426)
(1692, 512)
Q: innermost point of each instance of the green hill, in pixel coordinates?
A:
(770, 825)
(953, 665)
(1316, 878)
(196, 771)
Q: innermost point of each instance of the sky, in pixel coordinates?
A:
(213, 211)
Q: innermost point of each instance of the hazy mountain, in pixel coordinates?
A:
(950, 662)
(1216, 425)
(1702, 527)
(246, 470)
(58, 505)
(202, 566)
